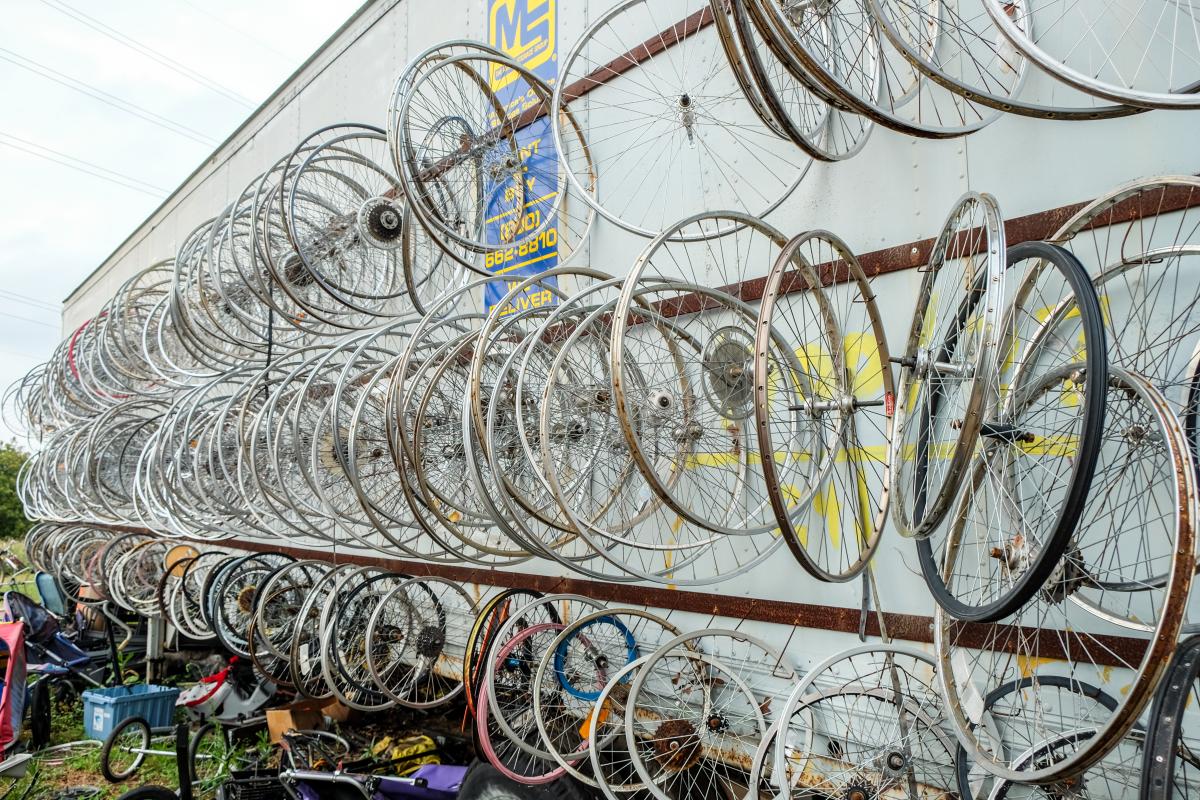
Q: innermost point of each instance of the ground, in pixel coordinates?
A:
(79, 767)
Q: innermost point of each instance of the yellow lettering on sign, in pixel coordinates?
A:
(524, 30)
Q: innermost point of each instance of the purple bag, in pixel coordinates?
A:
(442, 782)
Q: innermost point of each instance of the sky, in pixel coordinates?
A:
(133, 95)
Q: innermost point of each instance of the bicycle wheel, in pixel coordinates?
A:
(508, 679)
(344, 213)
(589, 468)
(210, 758)
(958, 46)
(1139, 56)
(193, 599)
(1039, 443)
(504, 723)
(512, 425)
(1147, 480)
(642, 105)
(344, 638)
(576, 669)
(304, 652)
(1170, 768)
(1069, 700)
(1141, 243)
(1112, 778)
(946, 364)
(682, 379)
(123, 751)
(481, 639)
(827, 394)
(865, 722)
(702, 709)
(466, 158)
(236, 596)
(824, 131)
(416, 641)
(609, 761)
(841, 53)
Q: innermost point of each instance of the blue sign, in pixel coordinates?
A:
(525, 30)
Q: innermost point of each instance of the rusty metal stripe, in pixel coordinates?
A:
(1103, 650)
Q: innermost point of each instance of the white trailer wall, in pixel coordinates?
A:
(897, 190)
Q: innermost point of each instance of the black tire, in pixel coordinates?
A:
(208, 759)
(1165, 727)
(132, 732)
(962, 761)
(485, 782)
(1095, 390)
(149, 793)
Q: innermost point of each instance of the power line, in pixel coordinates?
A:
(149, 52)
(26, 319)
(49, 73)
(54, 306)
(60, 154)
(91, 169)
(33, 300)
(29, 356)
(237, 29)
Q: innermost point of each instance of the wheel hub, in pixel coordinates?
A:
(858, 790)
(894, 764)
(676, 745)
(381, 223)
(661, 401)
(687, 116)
(690, 432)
(1068, 576)
(728, 373)
(294, 271)
(430, 641)
(245, 598)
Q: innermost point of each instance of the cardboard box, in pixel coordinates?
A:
(292, 718)
(335, 711)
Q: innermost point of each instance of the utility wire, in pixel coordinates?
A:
(31, 300)
(60, 154)
(26, 319)
(29, 356)
(149, 52)
(237, 29)
(49, 73)
(91, 169)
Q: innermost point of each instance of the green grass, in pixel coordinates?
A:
(80, 766)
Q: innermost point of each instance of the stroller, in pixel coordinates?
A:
(421, 776)
(432, 782)
(47, 650)
(60, 668)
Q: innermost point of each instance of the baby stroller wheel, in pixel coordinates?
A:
(125, 749)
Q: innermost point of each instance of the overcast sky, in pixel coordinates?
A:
(134, 95)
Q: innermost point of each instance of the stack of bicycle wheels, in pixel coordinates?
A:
(1044, 461)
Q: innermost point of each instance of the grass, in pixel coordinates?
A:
(80, 766)
(25, 583)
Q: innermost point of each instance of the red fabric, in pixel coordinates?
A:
(12, 703)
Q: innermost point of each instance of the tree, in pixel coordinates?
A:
(12, 514)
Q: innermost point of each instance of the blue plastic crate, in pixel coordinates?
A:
(104, 709)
